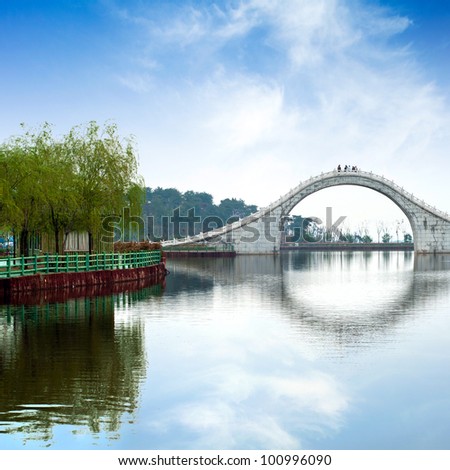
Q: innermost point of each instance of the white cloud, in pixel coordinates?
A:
(230, 413)
(252, 114)
(263, 96)
(137, 82)
(308, 30)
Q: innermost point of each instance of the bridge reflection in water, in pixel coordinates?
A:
(72, 362)
(355, 310)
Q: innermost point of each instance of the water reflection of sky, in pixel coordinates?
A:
(254, 375)
(240, 388)
(271, 353)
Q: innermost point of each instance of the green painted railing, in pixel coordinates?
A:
(77, 262)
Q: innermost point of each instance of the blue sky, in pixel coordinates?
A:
(243, 98)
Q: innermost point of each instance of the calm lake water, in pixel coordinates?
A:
(298, 351)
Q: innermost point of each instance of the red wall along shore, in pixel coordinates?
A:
(17, 286)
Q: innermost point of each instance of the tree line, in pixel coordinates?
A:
(170, 213)
(52, 186)
(306, 229)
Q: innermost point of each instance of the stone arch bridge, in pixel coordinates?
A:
(260, 232)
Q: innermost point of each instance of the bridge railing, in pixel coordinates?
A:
(408, 195)
(201, 248)
(263, 211)
(76, 262)
(381, 178)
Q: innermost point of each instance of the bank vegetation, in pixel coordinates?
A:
(50, 187)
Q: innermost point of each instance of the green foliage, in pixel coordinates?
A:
(54, 186)
(386, 238)
(348, 237)
(106, 169)
(161, 205)
(230, 210)
(299, 229)
(407, 238)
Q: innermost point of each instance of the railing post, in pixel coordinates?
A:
(35, 264)
(23, 265)
(8, 267)
(86, 263)
(57, 262)
(67, 262)
(47, 264)
(76, 261)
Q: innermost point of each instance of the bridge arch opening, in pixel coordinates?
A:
(358, 211)
(430, 227)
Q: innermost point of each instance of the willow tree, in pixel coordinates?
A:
(106, 174)
(132, 225)
(7, 206)
(55, 186)
(61, 204)
(24, 178)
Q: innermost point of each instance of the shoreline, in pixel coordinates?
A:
(32, 285)
(319, 246)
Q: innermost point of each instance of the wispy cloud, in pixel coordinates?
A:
(229, 414)
(300, 87)
(137, 82)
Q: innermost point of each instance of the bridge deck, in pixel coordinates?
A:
(345, 177)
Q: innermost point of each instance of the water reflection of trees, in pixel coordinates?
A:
(205, 273)
(70, 363)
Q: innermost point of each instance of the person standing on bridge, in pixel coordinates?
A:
(339, 167)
